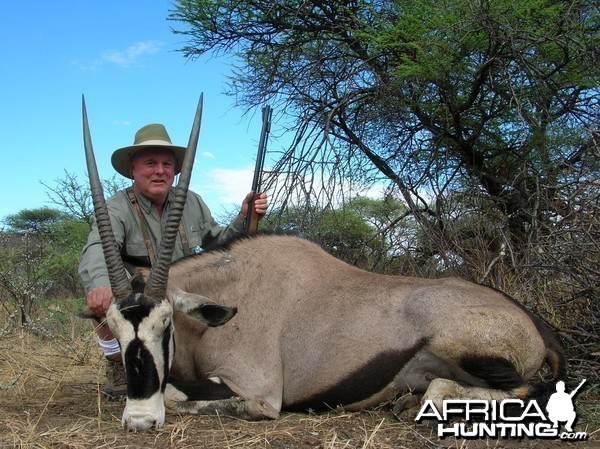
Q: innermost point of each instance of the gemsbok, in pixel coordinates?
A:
(273, 323)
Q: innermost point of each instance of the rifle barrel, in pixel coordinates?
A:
(262, 145)
(252, 218)
(574, 392)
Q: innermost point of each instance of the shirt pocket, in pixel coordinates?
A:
(194, 238)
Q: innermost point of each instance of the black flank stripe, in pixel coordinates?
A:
(363, 383)
(202, 389)
(497, 372)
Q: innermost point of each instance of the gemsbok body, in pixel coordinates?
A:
(273, 323)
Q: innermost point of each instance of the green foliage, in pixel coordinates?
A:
(346, 235)
(62, 254)
(431, 96)
(41, 254)
(38, 221)
(74, 196)
(20, 281)
(360, 232)
(38, 260)
(40, 251)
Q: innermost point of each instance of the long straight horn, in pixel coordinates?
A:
(116, 269)
(156, 285)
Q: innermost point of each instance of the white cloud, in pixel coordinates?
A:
(208, 154)
(130, 56)
(223, 189)
(124, 58)
(226, 186)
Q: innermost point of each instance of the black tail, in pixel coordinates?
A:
(556, 361)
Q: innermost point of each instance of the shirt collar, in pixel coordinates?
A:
(146, 204)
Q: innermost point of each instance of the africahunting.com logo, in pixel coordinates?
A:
(510, 418)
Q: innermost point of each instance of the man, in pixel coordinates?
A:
(138, 215)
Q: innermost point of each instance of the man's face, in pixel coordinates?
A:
(153, 172)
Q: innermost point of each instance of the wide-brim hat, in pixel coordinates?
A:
(150, 136)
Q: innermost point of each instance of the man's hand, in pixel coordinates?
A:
(261, 203)
(99, 299)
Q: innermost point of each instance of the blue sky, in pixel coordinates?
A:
(122, 56)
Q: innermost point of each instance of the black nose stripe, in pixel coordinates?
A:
(142, 377)
(141, 368)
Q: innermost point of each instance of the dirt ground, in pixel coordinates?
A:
(50, 398)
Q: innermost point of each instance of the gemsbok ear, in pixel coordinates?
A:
(213, 314)
(200, 307)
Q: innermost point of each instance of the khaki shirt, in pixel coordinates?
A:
(201, 230)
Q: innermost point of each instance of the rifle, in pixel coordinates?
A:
(252, 217)
(574, 392)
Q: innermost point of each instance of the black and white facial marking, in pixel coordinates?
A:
(144, 330)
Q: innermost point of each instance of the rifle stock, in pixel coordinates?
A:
(253, 218)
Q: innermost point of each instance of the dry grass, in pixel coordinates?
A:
(50, 398)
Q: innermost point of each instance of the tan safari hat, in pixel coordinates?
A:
(150, 136)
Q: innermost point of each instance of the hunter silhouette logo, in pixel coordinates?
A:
(560, 406)
(509, 418)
